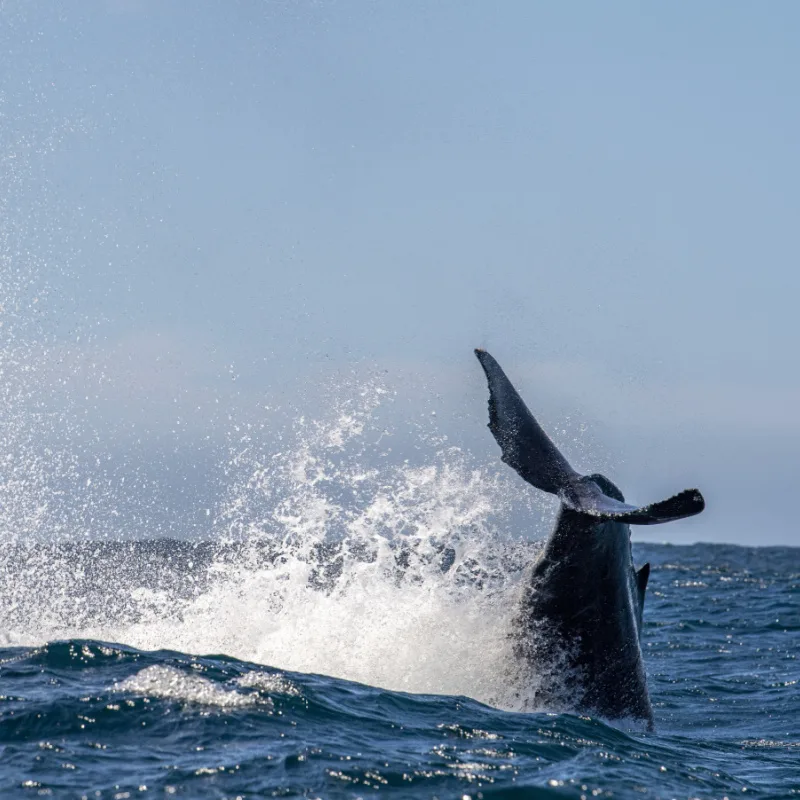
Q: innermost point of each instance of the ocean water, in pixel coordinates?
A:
(202, 670)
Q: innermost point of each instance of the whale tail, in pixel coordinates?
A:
(530, 451)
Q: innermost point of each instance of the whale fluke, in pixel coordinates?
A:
(585, 496)
(526, 447)
(528, 450)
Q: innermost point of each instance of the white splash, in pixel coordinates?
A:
(395, 575)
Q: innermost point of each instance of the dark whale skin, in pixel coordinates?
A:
(579, 622)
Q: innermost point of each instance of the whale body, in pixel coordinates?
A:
(580, 617)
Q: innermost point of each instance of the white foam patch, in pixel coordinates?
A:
(173, 684)
(269, 682)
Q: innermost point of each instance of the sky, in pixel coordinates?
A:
(252, 202)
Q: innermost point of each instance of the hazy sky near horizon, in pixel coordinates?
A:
(606, 196)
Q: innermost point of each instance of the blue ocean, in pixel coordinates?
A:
(258, 668)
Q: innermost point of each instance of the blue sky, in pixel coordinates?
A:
(604, 195)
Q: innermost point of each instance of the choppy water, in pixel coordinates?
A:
(90, 716)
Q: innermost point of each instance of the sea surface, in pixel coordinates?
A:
(208, 671)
